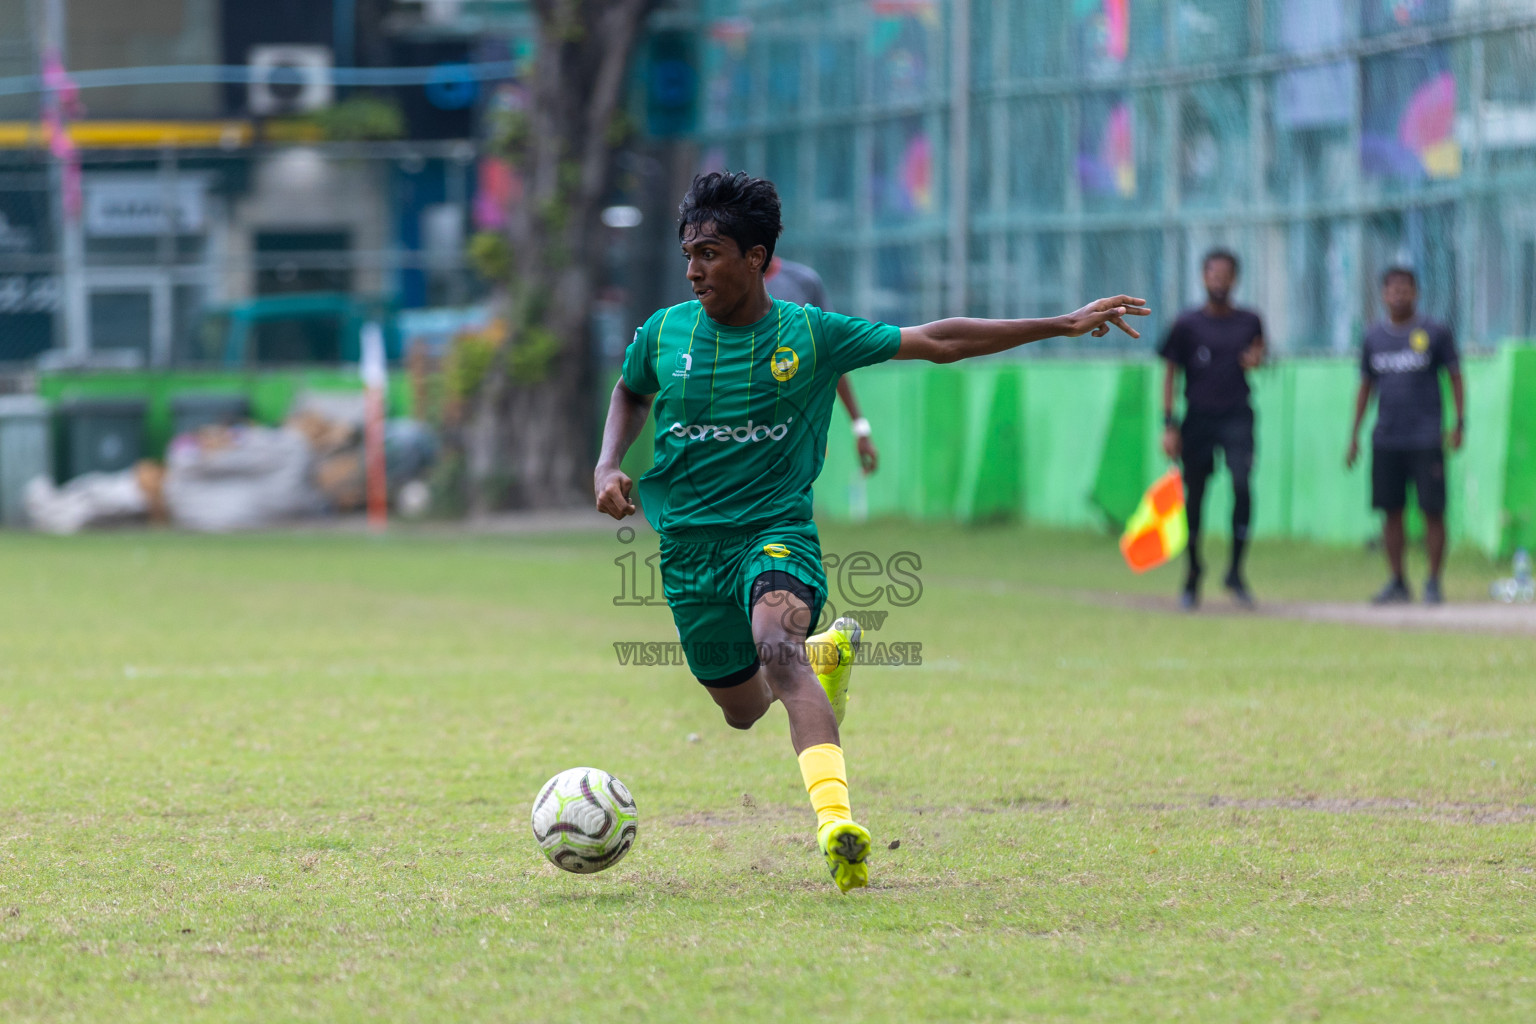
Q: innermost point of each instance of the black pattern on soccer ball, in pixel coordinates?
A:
(605, 826)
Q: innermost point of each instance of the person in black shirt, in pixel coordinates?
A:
(1214, 346)
(1400, 361)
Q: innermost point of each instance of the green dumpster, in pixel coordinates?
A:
(101, 435)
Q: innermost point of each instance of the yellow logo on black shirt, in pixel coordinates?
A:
(785, 363)
(1419, 340)
(776, 551)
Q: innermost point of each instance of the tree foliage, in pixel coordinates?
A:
(528, 436)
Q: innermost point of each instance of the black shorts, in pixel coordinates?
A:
(766, 583)
(1203, 432)
(1391, 469)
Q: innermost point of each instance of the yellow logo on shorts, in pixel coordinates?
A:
(785, 363)
(1419, 340)
(776, 550)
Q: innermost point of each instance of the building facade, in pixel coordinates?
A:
(201, 190)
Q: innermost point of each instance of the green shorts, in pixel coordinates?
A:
(708, 585)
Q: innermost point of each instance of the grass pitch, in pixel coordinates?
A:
(287, 777)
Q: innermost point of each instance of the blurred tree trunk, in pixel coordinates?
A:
(529, 434)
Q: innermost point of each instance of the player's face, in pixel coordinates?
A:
(721, 275)
(1400, 296)
(1219, 279)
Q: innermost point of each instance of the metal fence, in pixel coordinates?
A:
(1012, 158)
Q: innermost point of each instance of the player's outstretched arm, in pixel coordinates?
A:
(626, 415)
(946, 341)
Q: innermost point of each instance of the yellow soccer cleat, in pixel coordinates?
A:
(845, 845)
(843, 640)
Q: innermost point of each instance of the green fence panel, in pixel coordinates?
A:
(1328, 502)
(980, 395)
(991, 478)
(1075, 443)
(894, 411)
(1519, 519)
(890, 396)
(1475, 476)
(837, 488)
(1125, 469)
(1067, 409)
(1153, 457)
(943, 423)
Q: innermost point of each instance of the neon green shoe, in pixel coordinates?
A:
(846, 634)
(845, 845)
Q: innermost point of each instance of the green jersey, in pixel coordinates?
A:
(742, 412)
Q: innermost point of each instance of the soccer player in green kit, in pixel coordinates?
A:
(743, 387)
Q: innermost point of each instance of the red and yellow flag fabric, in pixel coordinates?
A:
(1159, 530)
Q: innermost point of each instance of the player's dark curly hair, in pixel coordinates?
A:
(742, 208)
(1221, 254)
(1400, 271)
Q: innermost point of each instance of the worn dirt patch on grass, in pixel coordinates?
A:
(1442, 811)
(1479, 617)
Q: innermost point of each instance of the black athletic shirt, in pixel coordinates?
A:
(1209, 349)
(1404, 364)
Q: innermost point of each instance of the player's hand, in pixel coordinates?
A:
(1252, 357)
(613, 488)
(1097, 317)
(1455, 440)
(1172, 442)
(869, 456)
(1353, 453)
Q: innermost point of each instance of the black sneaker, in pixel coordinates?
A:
(1239, 590)
(1189, 597)
(1395, 592)
(1432, 593)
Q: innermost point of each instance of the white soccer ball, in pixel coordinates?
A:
(585, 820)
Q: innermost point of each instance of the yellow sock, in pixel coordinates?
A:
(822, 654)
(826, 780)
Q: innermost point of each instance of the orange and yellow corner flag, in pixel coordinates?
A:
(1159, 530)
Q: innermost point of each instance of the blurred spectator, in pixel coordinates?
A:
(1400, 361)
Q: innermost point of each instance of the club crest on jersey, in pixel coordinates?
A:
(776, 550)
(785, 363)
(1419, 340)
(684, 364)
